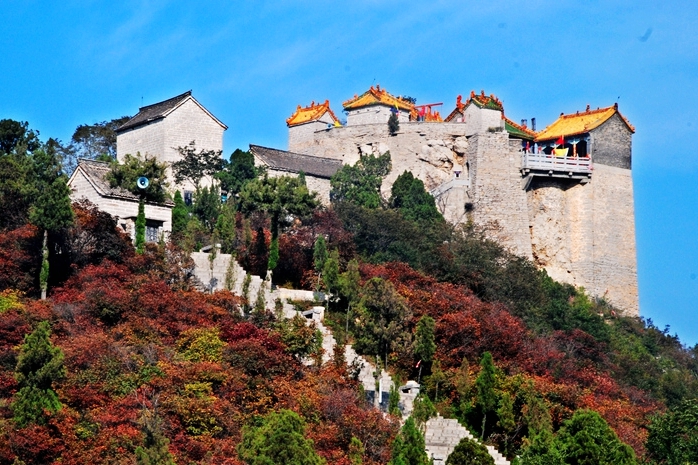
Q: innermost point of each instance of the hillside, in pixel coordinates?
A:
(127, 358)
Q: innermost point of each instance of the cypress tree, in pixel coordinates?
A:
(155, 450)
(140, 228)
(319, 253)
(39, 365)
(393, 123)
(51, 210)
(485, 382)
(330, 272)
(180, 214)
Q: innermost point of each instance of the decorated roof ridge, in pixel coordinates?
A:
(485, 101)
(377, 96)
(460, 107)
(581, 122)
(312, 112)
(518, 129)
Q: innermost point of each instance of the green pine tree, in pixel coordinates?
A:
(423, 410)
(225, 228)
(279, 440)
(356, 451)
(425, 344)
(330, 272)
(408, 447)
(155, 450)
(349, 286)
(39, 366)
(469, 452)
(319, 253)
(273, 254)
(586, 438)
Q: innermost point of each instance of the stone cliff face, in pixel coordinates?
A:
(582, 234)
(428, 150)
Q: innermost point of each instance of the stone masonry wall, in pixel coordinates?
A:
(301, 133)
(612, 143)
(148, 139)
(190, 123)
(375, 114)
(479, 120)
(161, 138)
(498, 198)
(584, 235)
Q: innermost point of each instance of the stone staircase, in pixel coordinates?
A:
(442, 435)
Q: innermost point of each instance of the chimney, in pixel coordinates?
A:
(533, 124)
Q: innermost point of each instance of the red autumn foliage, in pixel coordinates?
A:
(19, 258)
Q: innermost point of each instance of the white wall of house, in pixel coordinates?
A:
(122, 209)
(187, 123)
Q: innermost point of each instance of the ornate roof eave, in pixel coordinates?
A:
(559, 129)
(315, 111)
(380, 97)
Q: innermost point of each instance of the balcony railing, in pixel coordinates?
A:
(555, 164)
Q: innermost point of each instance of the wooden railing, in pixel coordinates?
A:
(541, 161)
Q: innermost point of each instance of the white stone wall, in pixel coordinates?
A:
(187, 123)
(585, 235)
(119, 208)
(499, 201)
(479, 120)
(148, 139)
(375, 114)
(426, 149)
(299, 135)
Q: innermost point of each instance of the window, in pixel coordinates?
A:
(152, 230)
(188, 198)
(151, 234)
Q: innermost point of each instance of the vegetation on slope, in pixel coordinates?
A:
(139, 365)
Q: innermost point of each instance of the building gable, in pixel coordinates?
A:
(156, 111)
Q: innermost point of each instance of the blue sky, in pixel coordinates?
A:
(250, 63)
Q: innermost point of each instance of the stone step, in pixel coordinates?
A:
(442, 435)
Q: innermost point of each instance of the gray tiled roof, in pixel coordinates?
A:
(154, 111)
(296, 162)
(96, 172)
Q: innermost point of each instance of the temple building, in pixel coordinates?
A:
(561, 197)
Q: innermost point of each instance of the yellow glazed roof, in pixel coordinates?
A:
(580, 123)
(376, 96)
(310, 113)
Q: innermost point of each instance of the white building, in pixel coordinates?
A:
(159, 129)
